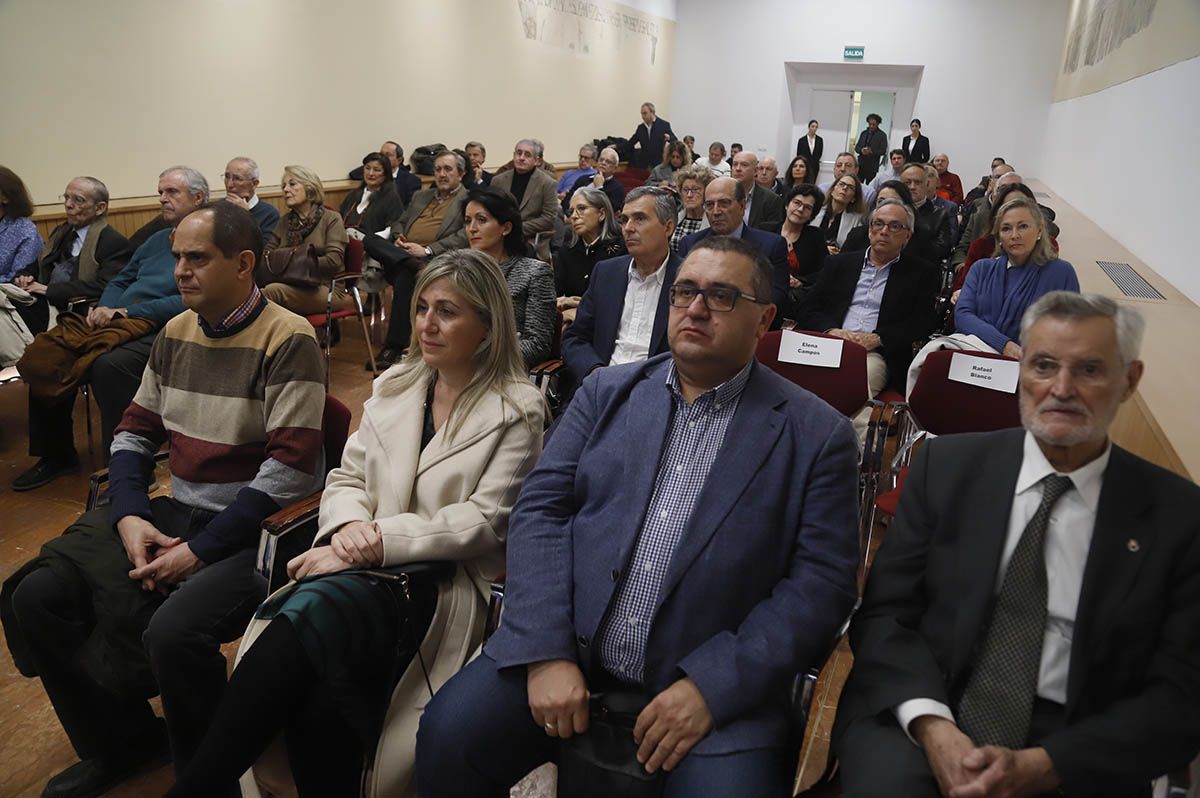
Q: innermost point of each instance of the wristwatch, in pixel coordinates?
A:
(428, 251)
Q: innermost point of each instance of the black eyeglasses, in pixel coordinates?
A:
(717, 299)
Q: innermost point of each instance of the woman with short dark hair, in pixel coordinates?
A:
(375, 204)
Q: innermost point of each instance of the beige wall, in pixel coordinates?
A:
(122, 90)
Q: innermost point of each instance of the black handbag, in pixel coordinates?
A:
(602, 762)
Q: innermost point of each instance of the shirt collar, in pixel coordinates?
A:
(81, 232)
(737, 231)
(867, 260)
(1087, 479)
(656, 276)
(250, 203)
(238, 314)
(721, 395)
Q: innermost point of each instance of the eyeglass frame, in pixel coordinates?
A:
(704, 294)
(894, 227)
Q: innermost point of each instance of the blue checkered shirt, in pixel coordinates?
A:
(697, 432)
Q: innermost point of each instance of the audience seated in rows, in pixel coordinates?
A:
(951, 209)
(622, 317)
(310, 235)
(594, 236)
(998, 291)
(844, 209)
(846, 163)
(137, 597)
(241, 177)
(766, 174)
(20, 241)
(1030, 619)
(649, 139)
(81, 256)
(716, 159)
(764, 208)
(859, 238)
(798, 173)
(676, 156)
(949, 185)
(896, 162)
(725, 205)
(493, 225)
(974, 227)
(690, 183)
(533, 189)
(986, 246)
(430, 225)
(805, 246)
(431, 475)
(476, 154)
(636, 477)
(604, 178)
(586, 168)
(881, 299)
(933, 223)
(109, 345)
(375, 204)
(405, 181)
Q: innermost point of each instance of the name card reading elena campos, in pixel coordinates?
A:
(983, 372)
(810, 350)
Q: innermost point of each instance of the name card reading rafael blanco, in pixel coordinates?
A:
(984, 372)
(810, 350)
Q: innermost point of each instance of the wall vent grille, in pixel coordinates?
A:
(1130, 282)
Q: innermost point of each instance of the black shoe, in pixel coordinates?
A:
(94, 777)
(44, 471)
(386, 357)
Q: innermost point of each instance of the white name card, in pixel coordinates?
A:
(983, 372)
(810, 350)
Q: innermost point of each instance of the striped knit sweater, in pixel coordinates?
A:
(241, 407)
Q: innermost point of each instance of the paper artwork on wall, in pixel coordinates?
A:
(591, 27)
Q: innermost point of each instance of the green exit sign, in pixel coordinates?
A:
(853, 53)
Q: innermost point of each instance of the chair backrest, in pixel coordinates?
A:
(354, 256)
(944, 406)
(844, 387)
(336, 421)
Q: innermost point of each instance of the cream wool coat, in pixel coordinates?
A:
(450, 502)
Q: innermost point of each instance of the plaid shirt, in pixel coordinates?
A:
(238, 314)
(697, 432)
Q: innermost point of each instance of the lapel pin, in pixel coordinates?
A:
(1133, 545)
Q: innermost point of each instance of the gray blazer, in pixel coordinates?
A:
(539, 207)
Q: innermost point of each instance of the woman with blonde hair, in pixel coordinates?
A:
(308, 234)
(843, 210)
(430, 476)
(676, 155)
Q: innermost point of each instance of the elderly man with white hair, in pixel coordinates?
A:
(767, 176)
(604, 179)
(241, 184)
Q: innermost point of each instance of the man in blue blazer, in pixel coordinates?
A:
(725, 206)
(603, 333)
(689, 532)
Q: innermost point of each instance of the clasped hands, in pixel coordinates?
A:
(358, 544)
(666, 730)
(159, 562)
(26, 282)
(963, 770)
(868, 341)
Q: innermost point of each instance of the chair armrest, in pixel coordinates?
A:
(494, 609)
(87, 301)
(98, 480)
(285, 535)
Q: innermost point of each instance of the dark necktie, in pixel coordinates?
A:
(998, 701)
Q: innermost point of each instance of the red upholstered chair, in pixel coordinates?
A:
(631, 177)
(844, 388)
(349, 278)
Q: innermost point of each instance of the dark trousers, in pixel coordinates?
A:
(56, 611)
(401, 269)
(35, 316)
(114, 379)
(477, 737)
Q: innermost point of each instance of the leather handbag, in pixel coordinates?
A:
(289, 265)
(602, 762)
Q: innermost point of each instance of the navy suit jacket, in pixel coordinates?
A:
(769, 244)
(760, 580)
(650, 152)
(591, 338)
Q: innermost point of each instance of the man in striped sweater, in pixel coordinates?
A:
(235, 385)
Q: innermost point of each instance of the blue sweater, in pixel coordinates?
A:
(146, 286)
(995, 297)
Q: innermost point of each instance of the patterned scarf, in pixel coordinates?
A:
(298, 228)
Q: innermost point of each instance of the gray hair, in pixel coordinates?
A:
(883, 203)
(1129, 323)
(98, 189)
(250, 163)
(931, 171)
(597, 199)
(195, 181)
(591, 148)
(664, 201)
(696, 171)
(538, 147)
(459, 161)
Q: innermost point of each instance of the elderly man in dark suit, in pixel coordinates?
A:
(881, 299)
(82, 255)
(622, 317)
(649, 138)
(430, 225)
(725, 207)
(764, 208)
(1031, 624)
(535, 192)
(688, 535)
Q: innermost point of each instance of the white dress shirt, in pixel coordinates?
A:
(80, 234)
(250, 203)
(637, 315)
(1068, 537)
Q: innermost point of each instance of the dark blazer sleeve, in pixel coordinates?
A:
(112, 253)
(383, 210)
(580, 349)
(920, 152)
(825, 306)
(816, 156)
(767, 210)
(777, 254)
(906, 314)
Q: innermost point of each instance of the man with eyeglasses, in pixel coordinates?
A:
(533, 189)
(241, 183)
(763, 208)
(622, 317)
(725, 207)
(881, 299)
(603, 178)
(844, 164)
(587, 160)
(81, 256)
(931, 235)
(687, 537)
